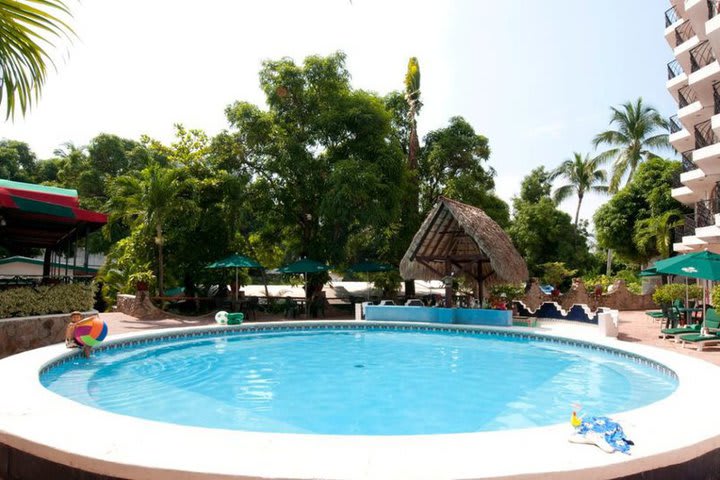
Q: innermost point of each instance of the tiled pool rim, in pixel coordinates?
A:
(35, 420)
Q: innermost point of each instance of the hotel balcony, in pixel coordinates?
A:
(677, 78)
(680, 137)
(680, 32)
(691, 111)
(707, 151)
(704, 72)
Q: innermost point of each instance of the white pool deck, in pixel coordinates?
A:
(33, 419)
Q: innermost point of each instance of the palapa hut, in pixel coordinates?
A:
(459, 239)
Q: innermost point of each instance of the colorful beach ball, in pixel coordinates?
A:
(90, 331)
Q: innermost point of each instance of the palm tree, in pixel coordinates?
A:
(657, 232)
(26, 30)
(583, 175)
(147, 199)
(412, 96)
(635, 136)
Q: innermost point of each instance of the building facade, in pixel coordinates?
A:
(692, 29)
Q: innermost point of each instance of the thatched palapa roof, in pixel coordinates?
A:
(465, 240)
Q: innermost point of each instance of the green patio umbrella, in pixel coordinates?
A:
(235, 261)
(304, 266)
(370, 267)
(703, 265)
(650, 272)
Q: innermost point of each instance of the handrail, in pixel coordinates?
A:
(701, 56)
(704, 135)
(716, 97)
(687, 164)
(674, 69)
(683, 33)
(686, 96)
(671, 16)
(705, 211)
(676, 183)
(675, 125)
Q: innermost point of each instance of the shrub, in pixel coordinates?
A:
(511, 291)
(44, 300)
(666, 294)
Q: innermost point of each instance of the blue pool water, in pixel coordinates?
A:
(358, 381)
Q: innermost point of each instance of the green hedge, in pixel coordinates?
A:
(62, 298)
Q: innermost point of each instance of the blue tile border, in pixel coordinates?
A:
(192, 333)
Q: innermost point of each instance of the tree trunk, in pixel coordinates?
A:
(608, 267)
(161, 266)
(577, 212)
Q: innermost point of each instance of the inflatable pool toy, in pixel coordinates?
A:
(221, 317)
(224, 318)
(90, 332)
(601, 431)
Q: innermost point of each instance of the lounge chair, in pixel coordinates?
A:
(414, 302)
(676, 332)
(712, 322)
(387, 302)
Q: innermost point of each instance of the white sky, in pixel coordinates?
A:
(537, 78)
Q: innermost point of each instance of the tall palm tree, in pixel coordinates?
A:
(147, 198)
(583, 175)
(656, 232)
(637, 125)
(412, 96)
(27, 29)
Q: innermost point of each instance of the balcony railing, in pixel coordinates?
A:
(683, 33)
(686, 96)
(705, 211)
(674, 69)
(716, 97)
(671, 16)
(688, 228)
(675, 125)
(676, 183)
(704, 135)
(712, 10)
(687, 163)
(701, 56)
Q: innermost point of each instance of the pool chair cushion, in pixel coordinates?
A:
(694, 328)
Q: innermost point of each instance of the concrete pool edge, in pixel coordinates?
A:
(39, 422)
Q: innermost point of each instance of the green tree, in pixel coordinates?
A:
(654, 234)
(17, 161)
(541, 232)
(145, 201)
(453, 162)
(27, 29)
(646, 196)
(634, 139)
(324, 156)
(583, 175)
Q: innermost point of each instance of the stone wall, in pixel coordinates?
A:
(25, 333)
(619, 299)
(138, 306)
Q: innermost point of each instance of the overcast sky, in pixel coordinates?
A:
(537, 78)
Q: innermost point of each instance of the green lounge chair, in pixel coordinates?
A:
(712, 322)
(676, 332)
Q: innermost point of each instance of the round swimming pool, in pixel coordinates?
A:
(360, 380)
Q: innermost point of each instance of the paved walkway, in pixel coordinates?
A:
(634, 327)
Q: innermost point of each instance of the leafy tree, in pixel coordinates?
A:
(412, 96)
(646, 196)
(554, 273)
(541, 232)
(323, 156)
(635, 136)
(654, 234)
(26, 31)
(145, 201)
(452, 164)
(583, 175)
(17, 161)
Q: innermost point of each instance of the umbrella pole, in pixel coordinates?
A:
(237, 287)
(704, 283)
(307, 297)
(368, 286)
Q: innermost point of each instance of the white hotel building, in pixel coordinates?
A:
(692, 28)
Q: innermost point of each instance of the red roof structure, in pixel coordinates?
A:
(38, 216)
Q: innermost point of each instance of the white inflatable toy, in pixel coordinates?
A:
(221, 317)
